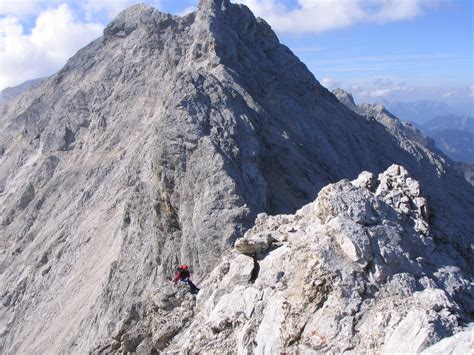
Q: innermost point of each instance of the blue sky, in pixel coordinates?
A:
(377, 49)
(427, 57)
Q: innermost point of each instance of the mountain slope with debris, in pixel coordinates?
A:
(157, 144)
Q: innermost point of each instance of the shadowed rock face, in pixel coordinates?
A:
(159, 143)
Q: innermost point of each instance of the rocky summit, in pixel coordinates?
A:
(198, 140)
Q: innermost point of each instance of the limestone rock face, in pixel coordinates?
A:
(160, 143)
(460, 343)
(422, 148)
(348, 272)
(257, 244)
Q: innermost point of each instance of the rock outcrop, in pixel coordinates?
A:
(159, 143)
(460, 343)
(408, 136)
(352, 271)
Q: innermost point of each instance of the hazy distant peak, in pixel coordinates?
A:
(345, 97)
(363, 109)
(13, 91)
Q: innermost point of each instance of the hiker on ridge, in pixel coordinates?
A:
(182, 275)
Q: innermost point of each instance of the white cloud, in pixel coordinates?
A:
(450, 94)
(55, 37)
(382, 81)
(330, 83)
(17, 8)
(461, 92)
(380, 92)
(313, 16)
(373, 89)
(187, 10)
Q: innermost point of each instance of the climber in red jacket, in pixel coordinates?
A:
(182, 275)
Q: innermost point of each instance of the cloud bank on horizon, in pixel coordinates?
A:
(37, 37)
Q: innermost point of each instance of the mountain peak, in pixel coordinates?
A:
(130, 18)
(345, 97)
(212, 3)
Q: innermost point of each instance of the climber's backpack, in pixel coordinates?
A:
(184, 273)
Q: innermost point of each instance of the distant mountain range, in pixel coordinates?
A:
(439, 123)
(454, 135)
(419, 112)
(451, 129)
(457, 144)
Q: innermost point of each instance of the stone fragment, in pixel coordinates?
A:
(255, 244)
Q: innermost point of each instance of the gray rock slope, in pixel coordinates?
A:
(461, 343)
(10, 93)
(396, 127)
(333, 279)
(159, 143)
